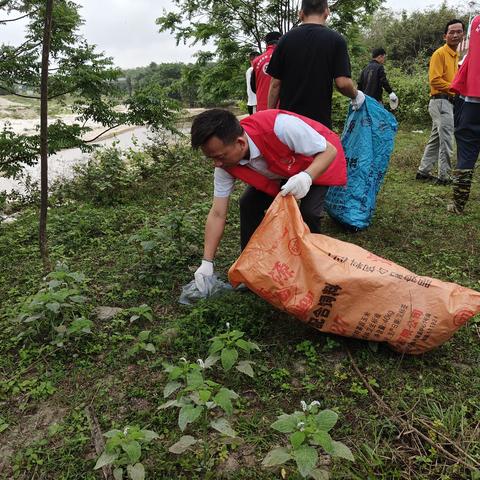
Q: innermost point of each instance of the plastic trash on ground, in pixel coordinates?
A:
(368, 140)
(191, 294)
(340, 288)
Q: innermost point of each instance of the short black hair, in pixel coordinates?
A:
(272, 37)
(376, 52)
(452, 22)
(215, 122)
(314, 6)
(252, 55)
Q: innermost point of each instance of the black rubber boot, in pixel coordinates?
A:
(462, 181)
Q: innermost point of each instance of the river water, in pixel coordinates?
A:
(61, 164)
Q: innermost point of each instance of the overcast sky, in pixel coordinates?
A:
(126, 30)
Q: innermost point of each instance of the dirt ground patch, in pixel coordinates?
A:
(30, 429)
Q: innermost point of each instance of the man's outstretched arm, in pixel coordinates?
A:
(214, 227)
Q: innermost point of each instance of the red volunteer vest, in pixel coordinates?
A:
(467, 80)
(281, 159)
(262, 79)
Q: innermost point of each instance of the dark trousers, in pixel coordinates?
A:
(254, 203)
(467, 133)
(250, 109)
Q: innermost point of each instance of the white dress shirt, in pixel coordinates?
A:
(291, 131)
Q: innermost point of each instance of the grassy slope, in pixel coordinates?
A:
(411, 227)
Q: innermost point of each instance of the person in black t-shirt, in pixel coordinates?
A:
(306, 62)
(373, 78)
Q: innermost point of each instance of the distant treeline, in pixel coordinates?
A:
(409, 40)
(182, 82)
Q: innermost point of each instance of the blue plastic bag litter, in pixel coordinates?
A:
(368, 139)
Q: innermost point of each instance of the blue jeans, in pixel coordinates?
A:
(467, 133)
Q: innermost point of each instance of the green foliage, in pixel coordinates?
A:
(172, 243)
(87, 77)
(411, 38)
(197, 396)
(30, 389)
(307, 430)
(3, 424)
(412, 90)
(152, 106)
(123, 450)
(226, 347)
(113, 175)
(59, 309)
(142, 344)
(413, 93)
(340, 106)
(104, 178)
(165, 75)
(143, 312)
(236, 28)
(45, 389)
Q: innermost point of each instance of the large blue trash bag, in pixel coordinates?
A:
(368, 139)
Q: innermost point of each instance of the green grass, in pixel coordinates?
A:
(45, 390)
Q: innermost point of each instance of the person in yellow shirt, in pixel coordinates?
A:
(442, 70)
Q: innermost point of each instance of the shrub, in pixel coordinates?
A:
(103, 180)
(59, 309)
(413, 94)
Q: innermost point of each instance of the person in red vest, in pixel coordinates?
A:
(260, 80)
(272, 151)
(467, 120)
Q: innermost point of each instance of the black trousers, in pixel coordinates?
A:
(254, 203)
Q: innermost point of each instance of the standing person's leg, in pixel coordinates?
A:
(250, 109)
(430, 155)
(311, 207)
(467, 135)
(253, 204)
(445, 131)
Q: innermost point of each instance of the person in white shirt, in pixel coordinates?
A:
(251, 96)
(272, 151)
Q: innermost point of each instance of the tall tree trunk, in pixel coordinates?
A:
(47, 31)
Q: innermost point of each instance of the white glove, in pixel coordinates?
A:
(203, 271)
(357, 102)
(393, 100)
(298, 185)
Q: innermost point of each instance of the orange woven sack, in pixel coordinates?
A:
(340, 288)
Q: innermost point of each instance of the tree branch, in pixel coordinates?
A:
(11, 92)
(97, 439)
(21, 47)
(19, 18)
(99, 135)
(407, 426)
(62, 93)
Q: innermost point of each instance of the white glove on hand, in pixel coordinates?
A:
(393, 101)
(357, 102)
(204, 270)
(298, 185)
